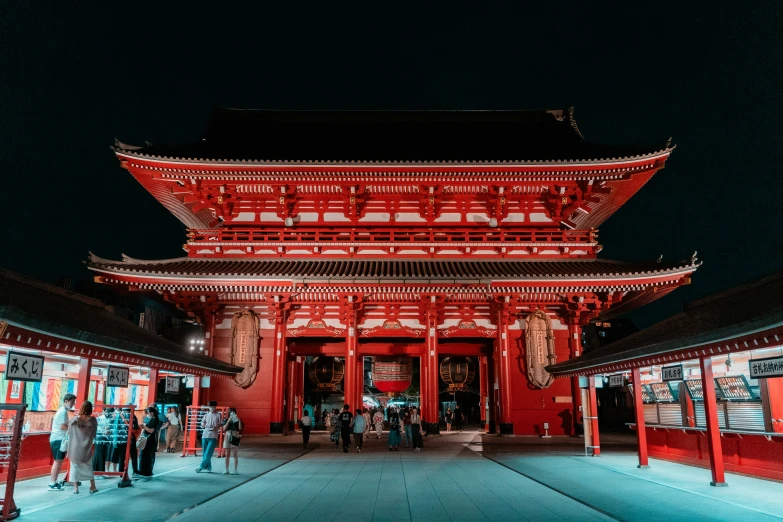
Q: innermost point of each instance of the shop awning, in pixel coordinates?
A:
(742, 318)
(40, 315)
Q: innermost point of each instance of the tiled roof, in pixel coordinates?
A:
(378, 270)
(52, 310)
(742, 310)
(270, 136)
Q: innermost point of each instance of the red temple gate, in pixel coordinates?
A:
(375, 240)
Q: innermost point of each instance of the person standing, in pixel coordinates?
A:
(210, 424)
(394, 432)
(358, 429)
(307, 424)
(377, 421)
(231, 439)
(164, 431)
(458, 418)
(58, 434)
(367, 423)
(416, 430)
(405, 426)
(449, 417)
(173, 430)
(346, 418)
(82, 430)
(334, 428)
(149, 429)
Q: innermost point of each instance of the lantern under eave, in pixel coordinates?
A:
(392, 375)
(457, 372)
(326, 373)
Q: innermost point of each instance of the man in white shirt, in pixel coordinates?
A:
(210, 423)
(59, 431)
(307, 423)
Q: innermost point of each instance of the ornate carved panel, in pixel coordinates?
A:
(539, 348)
(244, 347)
(467, 329)
(316, 328)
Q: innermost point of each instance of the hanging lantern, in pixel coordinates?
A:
(326, 373)
(457, 372)
(392, 374)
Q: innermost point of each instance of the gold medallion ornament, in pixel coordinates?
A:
(244, 347)
(539, 348)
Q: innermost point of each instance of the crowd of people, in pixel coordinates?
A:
(405, 427)
(100, 444)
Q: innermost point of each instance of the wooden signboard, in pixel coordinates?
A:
(24, 367)
(117, 377)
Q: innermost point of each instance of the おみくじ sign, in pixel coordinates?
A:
(117, 377)
(24, 367)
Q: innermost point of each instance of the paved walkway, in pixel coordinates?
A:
(615, 485)
(458, 476)
(175, 487)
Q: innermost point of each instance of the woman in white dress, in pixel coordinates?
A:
(81, 433)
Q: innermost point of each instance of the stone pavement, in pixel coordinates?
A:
(615, 485)
(448, 480)
(175, 487)
(458, 476)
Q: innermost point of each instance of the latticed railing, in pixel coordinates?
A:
(391, 235)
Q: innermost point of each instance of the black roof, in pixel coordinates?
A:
(745, 309)
(52, 310)
(389, 136)
(362, 269)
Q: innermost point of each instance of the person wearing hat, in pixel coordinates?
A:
(211, 424)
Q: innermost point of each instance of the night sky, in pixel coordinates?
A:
(74, 77)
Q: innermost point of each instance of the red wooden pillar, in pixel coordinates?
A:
(484, 392)
(576, 392)
(774, 397)
(713, 429)
(641, 430)
(593, 416)
(360, 381)
(152, 389)
(423, 381)
(431, 409)
(278, 373)
(298, 388)
(503, 354)
(290, 393)
(83, 384)
(349, 378)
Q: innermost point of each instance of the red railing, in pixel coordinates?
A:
(302, 234)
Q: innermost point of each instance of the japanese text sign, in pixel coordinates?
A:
(616, 381)
(672, 373)
(117, 377)
(770, 367)
(172, 384)
(24, 367)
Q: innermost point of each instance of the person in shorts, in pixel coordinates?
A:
(231, 438)
(59, 431)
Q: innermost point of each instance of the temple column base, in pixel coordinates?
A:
(276, 428)
(506, 428)
(432, 428)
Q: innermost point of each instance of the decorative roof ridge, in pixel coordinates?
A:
(444, 163)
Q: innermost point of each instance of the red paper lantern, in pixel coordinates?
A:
(392, 374)
(326, 373)
(457, 372)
